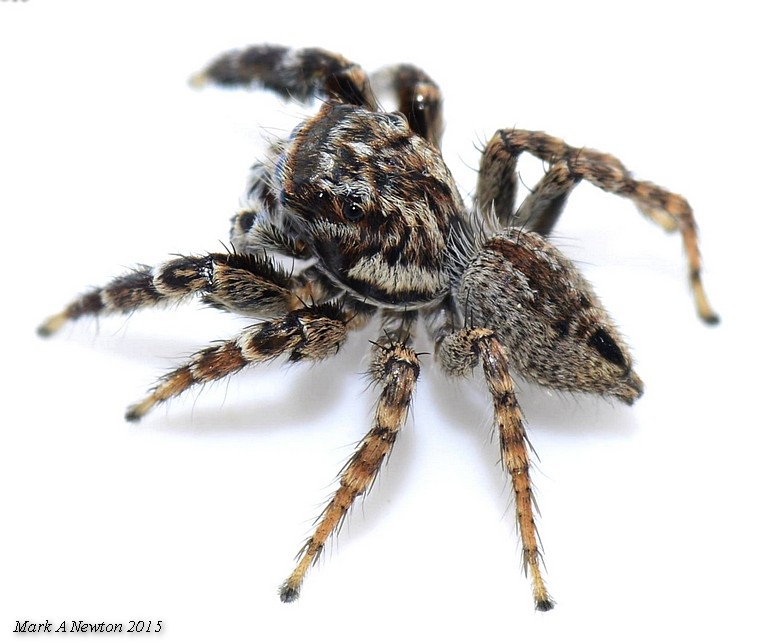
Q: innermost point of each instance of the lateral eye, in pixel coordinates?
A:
(352, 211)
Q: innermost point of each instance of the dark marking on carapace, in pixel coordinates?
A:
(607, 348)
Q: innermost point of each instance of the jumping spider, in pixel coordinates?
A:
(362, 203)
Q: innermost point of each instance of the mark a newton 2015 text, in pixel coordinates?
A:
(80, 626)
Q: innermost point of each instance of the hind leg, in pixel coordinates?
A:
(496, 189)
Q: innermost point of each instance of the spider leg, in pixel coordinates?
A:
(543, 206)
(300, 74)
(395, 369)
(496, 186)
(419, 98)
(459, 353)
(310, 333)
(245, 283)
(497, 183)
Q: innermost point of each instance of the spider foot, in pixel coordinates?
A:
(289, 592)
(541, 596)
(198, 80)
(705, 311)
(711, 318)
(88, 304)
(136, 412)
(52, 325)
(172, 385)
(544, 604)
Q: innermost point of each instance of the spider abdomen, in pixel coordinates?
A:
(555, 329)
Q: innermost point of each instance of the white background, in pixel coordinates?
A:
(108, 158)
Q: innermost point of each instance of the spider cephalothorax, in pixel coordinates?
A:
(366, 215)
(375, 203)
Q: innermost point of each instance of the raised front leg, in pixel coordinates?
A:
(300, 74)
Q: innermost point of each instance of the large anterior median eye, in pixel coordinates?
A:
(352, 211)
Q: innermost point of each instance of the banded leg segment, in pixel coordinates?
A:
(496, 185)
(310, 333)
(459, 353)
(244, 283)
(300, 74)
(542, 208)
(395, 368)
(419, 98)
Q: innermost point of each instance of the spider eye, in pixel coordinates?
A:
(352, 211)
